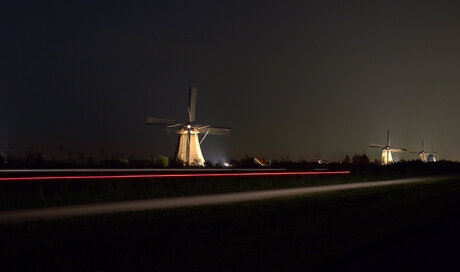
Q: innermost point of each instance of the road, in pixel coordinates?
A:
(171, 175)
(20, 216)
(93, 170)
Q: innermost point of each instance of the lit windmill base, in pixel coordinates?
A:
(423, 157)
(189, 151)
(387, 157)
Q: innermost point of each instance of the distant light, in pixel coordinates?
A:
(189, 126)
(177, 175)
(226, 164)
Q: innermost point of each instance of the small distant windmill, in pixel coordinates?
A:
(188, 150)
(387, 150)
(425, 156)
(421, 155)
(431, 157)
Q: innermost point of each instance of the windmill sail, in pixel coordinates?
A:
(397, 149)
(192, 104)
(388, 138)
(376, 145)
(214, 130)
(162, 122)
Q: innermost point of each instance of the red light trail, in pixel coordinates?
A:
(175, 175)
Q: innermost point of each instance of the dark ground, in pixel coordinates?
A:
(33, 194)
(405, 228)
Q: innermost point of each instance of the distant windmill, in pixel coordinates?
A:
(387, 151)
(425, 156)
(188, 150)
(421, 155)
(431, 157)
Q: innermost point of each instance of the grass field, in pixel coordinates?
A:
(408, 227)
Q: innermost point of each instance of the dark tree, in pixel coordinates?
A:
(360, 159)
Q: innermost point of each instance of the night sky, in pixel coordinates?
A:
(293, 79)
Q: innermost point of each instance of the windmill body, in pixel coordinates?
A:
(387, 151)
(387, 156)
(188, 149)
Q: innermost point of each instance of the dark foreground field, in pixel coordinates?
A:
(35, 194)
(404, 227)
(46, 193)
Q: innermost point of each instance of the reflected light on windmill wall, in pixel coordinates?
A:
(423, 157)
(387, 157)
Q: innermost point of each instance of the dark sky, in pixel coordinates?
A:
(290, 78)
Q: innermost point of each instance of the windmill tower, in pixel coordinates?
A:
(188, 149)
(387, 150)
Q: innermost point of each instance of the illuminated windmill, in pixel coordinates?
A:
(425, 156)
(188, 149)
(422, 155)
(387, 151)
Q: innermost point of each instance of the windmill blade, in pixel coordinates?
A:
(214, 130)
(162, 122)
(192, 104)
(397, 149)
(388, 138)
(201, 127)
(175, 125)
(174, 128)
(376, 145)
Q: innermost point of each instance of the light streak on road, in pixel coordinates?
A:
(89, 170)
(174, 175)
